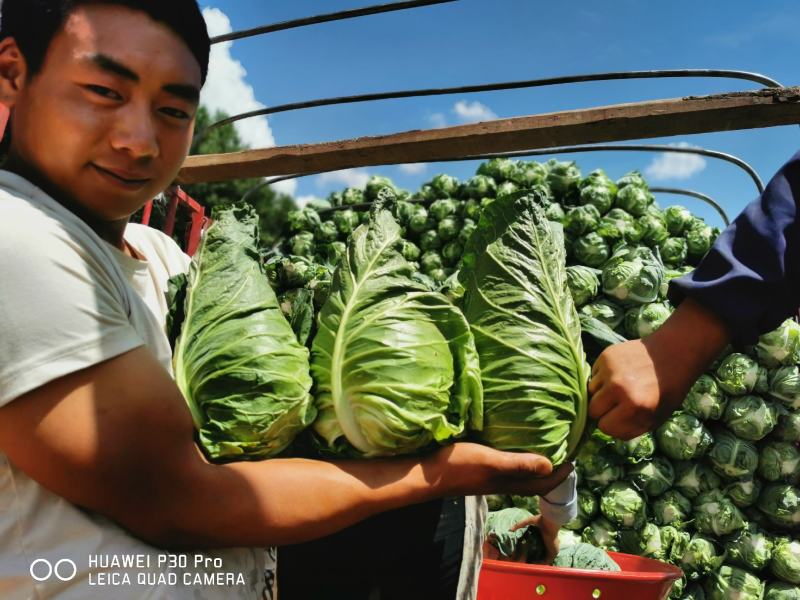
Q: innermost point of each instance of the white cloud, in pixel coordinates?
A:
(227, 89)
(289, 187)
(348, 177)
(673, 165)
(473, 112)
(437, 120)
(413, 168)
(302, 201)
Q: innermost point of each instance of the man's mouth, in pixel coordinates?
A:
(124, 178)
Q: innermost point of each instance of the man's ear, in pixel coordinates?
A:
(13, 71)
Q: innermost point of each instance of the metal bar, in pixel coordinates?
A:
(510, 85)
(147, 212)
(326, 18)
(172, 210)
(698, 195)
(635, 121)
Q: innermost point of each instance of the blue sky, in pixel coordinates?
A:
(476, 41)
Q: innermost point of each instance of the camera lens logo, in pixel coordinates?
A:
(42, 569)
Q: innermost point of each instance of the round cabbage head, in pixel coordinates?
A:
(673, 251)
(590, 250)
(779, 461)
(738, 374)
(780, 590)
(600, 469)
(528, 174)
(618, 225)
(705, 400)
(699, 239)
(780, 502)
(499, 169)
(733, 457)
(480, 186)
(715, 514)
(563, 178)
(634, 200)
(430, 241)
(445, 186)
(744, 492)
(604, 310)
(654, 229)
(683, 437)
(784, 386)
(701, 556)
(602, 534)
(375, 185)
(678, 219)
(732, 582)
(643, 542)
(750, 548)
(442, 208)
(420, 221)
(654, 477)
(751, 417)
(788, 428)
(780, 347)
(305, 219)
(641, 321)
(623, 505)
(449, 228)
(694, 478)
(637, 449)
(588, 507)
(584, 283)
(785, 563)
(599, 196)
(581, 219)
(633, 275)
(634, 178)
(672, 508)
(507, 187)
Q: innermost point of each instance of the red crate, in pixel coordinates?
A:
(640, 579)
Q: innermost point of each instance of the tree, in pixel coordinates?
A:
(272, 207)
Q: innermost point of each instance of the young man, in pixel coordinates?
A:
(98, 467)
(747, 285)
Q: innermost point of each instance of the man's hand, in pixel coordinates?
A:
(636, 385)
(549, 531)
(476, 469)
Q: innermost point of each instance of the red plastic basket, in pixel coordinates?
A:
(640, 579)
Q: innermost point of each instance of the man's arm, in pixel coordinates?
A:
(117, 438)
(747, 284)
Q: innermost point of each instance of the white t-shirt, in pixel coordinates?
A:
(69, 300)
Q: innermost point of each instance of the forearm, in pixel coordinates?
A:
(285, 501)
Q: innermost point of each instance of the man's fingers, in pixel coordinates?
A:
(620, 425)
(534, 520)
(601, 403)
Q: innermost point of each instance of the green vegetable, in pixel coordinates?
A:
(780, 347)
(410, 251)
(507, 187)
(750, 417)
(297, 307)
(528, 174)
(673, 251)
(634, 199)
(750, 549)
(563, 178)
(377, 184)
(302, 244)
(779, 590)
(654, 229)
(637, 449)
(304, 220)
(480, 186)
(623, 505)
(451, 253)
(499, 169)
(584, 283)
(588, 507)
(585, 556)
(352, 196)
(420, 222)
(743, 492)
(699, 239)
(618, 225)
(738, 374)
(237, 361)
(448, 229)
(326, 233)
(605, 311)
(346, 221)
(780, 502)
(779, 461)
(701, 557)
(441, 209)
(683, 437)
(641, 321)
(784, 386)
(705, 400)
(785, 563)
(599, 196)
(581, 219)
(409, 379)
(445, 186)
(731, 582)
(633, 276)
(526, 330)
(601, 533)
(591, 250)
(788, 428)
(600, 469)
(633, 178)
(715, 514)
(693, 478)
(646, 541)
(513, 545)
(672, 508)
(654, 477)
(678, 220)
(733, 457)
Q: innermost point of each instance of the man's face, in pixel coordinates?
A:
(108, 120)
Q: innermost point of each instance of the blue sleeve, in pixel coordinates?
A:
(751, 277)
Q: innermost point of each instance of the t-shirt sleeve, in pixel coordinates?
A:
(62, 309)
(560, 506)
(751, 276)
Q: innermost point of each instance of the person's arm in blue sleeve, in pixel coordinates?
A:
(751, 277)
(747, 285)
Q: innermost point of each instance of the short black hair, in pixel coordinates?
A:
(34, 24)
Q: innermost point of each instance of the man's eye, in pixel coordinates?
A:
(104, 92)
(175, 113)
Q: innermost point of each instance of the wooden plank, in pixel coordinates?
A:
(695, 114)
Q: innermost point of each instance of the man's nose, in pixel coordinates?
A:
(135, 131)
